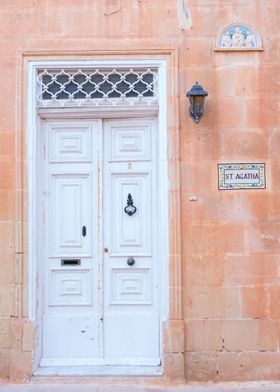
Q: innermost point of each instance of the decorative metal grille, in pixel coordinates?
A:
(106, 87)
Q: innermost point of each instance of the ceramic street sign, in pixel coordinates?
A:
(241, 175)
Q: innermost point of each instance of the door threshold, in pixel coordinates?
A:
(105, 370)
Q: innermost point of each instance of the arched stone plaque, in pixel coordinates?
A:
(238, 36)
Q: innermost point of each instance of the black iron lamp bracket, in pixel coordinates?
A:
(196, 97)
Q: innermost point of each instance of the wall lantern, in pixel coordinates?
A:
(196, 96)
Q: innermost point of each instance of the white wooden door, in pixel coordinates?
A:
(99, 306)
(71, 300)
(131, 315)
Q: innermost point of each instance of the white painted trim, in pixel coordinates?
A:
(45, 362)
(97, 112)
(102, 370)
(31, 146)
(163, 251)
(31, 143)
(146, 63)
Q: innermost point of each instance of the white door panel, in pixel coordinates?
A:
(130, 143)
(70, 287)
(70, 143)
(137, 338)
(131, 234)
(70, 205)
(130, 286)
(69, 334)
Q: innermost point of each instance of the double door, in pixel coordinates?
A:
(100, 243)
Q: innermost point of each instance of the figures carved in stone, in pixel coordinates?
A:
(238, 36)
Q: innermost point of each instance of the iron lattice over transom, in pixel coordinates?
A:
(99, 87)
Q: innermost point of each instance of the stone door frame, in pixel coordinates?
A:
(166, 60)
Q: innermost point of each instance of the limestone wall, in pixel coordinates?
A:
(230, 239)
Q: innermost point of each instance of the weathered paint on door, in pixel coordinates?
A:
(97, 308)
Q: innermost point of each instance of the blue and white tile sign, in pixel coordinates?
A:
(241, 175)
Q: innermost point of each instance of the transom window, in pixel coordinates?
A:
(109, 87)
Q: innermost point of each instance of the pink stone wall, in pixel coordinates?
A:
(230, 239)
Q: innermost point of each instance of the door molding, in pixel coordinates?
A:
(169, 173)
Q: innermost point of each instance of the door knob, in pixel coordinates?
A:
(130, 261)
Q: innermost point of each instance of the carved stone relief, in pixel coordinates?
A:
(238, 36)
